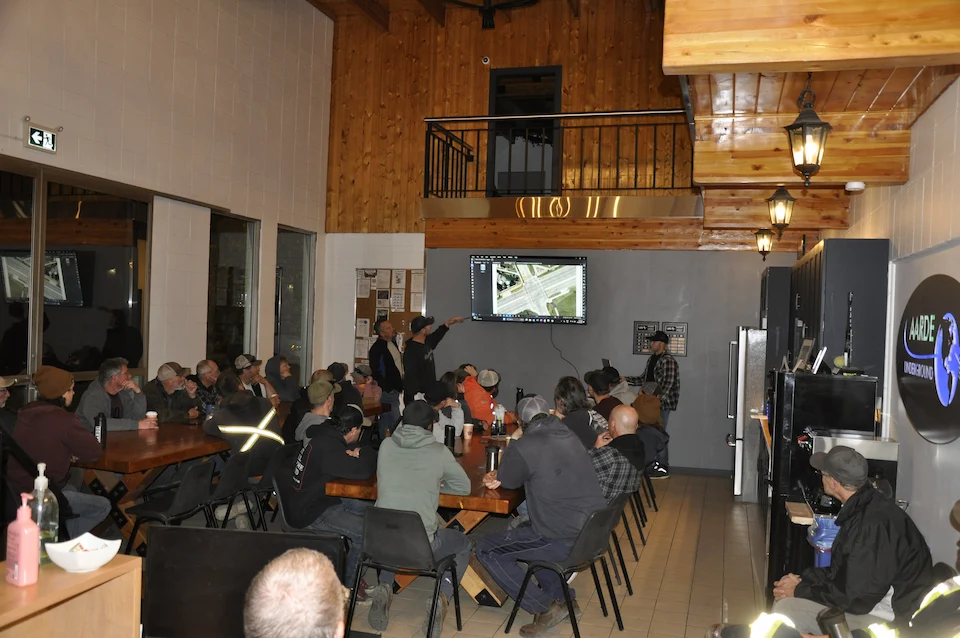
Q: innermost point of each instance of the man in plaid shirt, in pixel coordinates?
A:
(663, 369)
(620, 458)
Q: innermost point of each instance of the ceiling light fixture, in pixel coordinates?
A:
(808, 135)
(488, 8)
(764, 242)
(781, 210)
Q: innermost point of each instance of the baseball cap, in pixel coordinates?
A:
(436, 392)
(245, 361)
(363, 370)
(6, 382)
(419, 323)
(319, 391)
(660, 335)
(531, 407)
(842, 463)
(338, 370)
(488, 378)
(170, 370)
(420, 413)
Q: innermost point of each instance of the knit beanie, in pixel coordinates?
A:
(51, 382)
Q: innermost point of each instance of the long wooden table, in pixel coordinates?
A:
(133, 460)
(474, 509)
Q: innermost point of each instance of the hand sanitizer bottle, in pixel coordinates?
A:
(45, 512)
(23, 547)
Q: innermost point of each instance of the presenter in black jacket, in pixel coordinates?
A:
(419, 368)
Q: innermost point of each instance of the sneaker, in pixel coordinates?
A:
(555, 614)
(381, 597)
(362, 597)
(657, 471)
(438, 617)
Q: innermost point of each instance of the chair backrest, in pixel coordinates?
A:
(942, 572)
(398, 538)
(194, 489)
(233, 476)
(595, 535)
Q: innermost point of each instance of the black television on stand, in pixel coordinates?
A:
(522, 289)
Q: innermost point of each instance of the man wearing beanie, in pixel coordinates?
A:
(52, 435)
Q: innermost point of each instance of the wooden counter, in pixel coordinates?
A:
(101, 604)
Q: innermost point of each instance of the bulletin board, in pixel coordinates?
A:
(382, 293)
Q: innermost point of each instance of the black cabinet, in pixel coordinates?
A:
(775, 313)
(821, 286)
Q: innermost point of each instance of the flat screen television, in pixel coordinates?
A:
(528, 289)
(61, 277)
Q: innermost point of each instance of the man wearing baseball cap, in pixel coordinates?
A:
(171, 395)
(248, 369)
(480, 393)
(880, 565)
(663, 370)
(419, 368)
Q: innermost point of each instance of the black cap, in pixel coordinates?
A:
(660, 335)
(843, 463)
(338, 370)
(420, 413)
(436, 392)
(419, 323)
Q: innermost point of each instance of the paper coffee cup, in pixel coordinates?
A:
(468, 430)
(151, 414)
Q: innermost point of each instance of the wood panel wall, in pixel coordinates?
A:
(385, 84)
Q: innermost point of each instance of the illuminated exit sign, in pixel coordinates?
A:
(39, 138)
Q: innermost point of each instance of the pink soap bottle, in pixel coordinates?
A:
(23, 547)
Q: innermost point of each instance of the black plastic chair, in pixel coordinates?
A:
(189, 499)
(233, 483)
(396, 541)
(591, 544)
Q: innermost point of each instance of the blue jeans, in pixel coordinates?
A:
(445, 542)
(499, 553)
(388, 420)
(663, 456)
(88, 510)
(343, 519)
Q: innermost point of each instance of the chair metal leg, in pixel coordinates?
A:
(626, 527)
(456, 594)
(616, 574)
(516, 604)
(133, 536)
(652, 496)
(638, 502)
(246, 505)
(613, 595)
(646, 491)
(226, 514)
(643, 539)
(596, 581)
(623, 565)
(433, 607)
(353, 596)
(570, 612)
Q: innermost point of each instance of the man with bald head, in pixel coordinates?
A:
(619, 466)
(623, 430)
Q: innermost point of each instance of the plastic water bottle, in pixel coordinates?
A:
(45, 512)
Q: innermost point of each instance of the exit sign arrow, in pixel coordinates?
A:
(39, 138)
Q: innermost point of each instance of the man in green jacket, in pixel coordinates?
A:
(412, 470)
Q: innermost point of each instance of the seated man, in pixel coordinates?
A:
(238, 414)
(619, 387)
(297, 595)
(301, 406)
(321, 395)
(114, 394)
(208, 372)
(412, 470)
(328, 453)
(439, 395)
(52, 435)
(280, 376)
(599, 388)
(481, 394)
(562, 490)
(619, 462)
(347, 393)
(880, 566)
(248, 369)
(171, 396)
(570, 399)
(365, 384)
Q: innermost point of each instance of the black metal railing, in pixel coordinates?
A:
(574, 153)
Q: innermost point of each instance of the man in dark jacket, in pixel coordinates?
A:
(880, 565)
(386, 363)
(419, 368)
(619, 462)
(171, 396)
(347, 394)
(561, 487)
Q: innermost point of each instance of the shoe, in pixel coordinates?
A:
(381, 597)
(439, 617)
(362, 597)
(716, 631)
(657, 471)
(555, 614)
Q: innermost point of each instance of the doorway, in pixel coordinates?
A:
(523, 155)
(293, 311)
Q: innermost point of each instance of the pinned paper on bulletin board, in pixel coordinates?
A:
(383, 315)
(383, 298)
(416, 283)
(396, 300)
(363, 288)
(416, 302)
(399, 279)
(363, 328)
(383, 279)
(360, 349)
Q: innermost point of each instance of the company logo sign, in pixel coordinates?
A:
(928, 359)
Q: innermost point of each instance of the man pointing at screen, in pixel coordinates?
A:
(419, 368)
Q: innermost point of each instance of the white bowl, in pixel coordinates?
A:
(80, 562)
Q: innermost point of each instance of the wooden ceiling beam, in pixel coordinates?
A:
(705, 36)
(746, 208)
(437, 10)
(575, 7)
(376, 12)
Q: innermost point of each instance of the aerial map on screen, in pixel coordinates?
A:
(537, 290)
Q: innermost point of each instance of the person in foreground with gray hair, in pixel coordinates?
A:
(297, 595)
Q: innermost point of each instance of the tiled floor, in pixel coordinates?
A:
(698, 568)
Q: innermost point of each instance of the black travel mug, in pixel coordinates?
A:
(493, 458)
(450, 436)
(833, 622)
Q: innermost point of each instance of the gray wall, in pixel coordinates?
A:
(713, 291)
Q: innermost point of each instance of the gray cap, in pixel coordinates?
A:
(531, 407)
(842, 463)
(488, 378)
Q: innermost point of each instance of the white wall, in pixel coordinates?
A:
(921, 216)
(225, 102)
(345, 252)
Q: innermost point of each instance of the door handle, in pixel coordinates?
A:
(731, 357)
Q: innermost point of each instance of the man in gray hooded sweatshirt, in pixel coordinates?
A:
(412, 470)
(320, 394)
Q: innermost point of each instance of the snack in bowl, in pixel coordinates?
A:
(83, 554)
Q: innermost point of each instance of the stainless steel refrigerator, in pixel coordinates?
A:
(745, 400)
